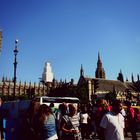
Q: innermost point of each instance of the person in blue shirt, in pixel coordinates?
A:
(47, 123)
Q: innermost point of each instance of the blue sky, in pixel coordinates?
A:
(68, 33)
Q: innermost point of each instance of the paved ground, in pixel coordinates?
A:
(126, 138)
(130, 138)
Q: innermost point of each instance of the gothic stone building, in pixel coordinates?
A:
(100, 86)
(97, 85)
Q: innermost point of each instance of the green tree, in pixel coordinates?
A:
(111, 96)
(82, 93)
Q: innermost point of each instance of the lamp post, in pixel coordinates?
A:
(15, 67)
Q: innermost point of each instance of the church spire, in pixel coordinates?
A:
(81, 71)
(138, 77)
(99, 63)
(100, 73)
(99, 59)
(132, 77)
(120, 76)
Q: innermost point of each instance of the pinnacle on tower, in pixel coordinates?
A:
(120, 76)
(81, 71)
(99, 59)
(138, 77)
(100, 73)
(132, 77)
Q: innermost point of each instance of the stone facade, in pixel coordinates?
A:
(100, 86)
(7, 88)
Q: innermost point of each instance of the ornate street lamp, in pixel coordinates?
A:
(15, 67)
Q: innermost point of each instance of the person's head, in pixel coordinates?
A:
(51, 104)
(102, 102)
(33, 108)
(63, 108)
(84, 109)
(116, 106)
(44, 111)
(72, 109)
(1, 101)
(128, 104)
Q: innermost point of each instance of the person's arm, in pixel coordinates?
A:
(64, 129)
(62, 126)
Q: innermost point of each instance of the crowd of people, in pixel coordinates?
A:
(79, 122)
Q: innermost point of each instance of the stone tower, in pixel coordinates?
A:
(47, 75)
(100, 73)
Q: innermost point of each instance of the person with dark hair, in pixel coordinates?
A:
(84, 116)
(62, 110)
(102, 108)
(112, 123)
(29, 129)
(70, 124)
(132, 124)
(47, 123)
(52, 107)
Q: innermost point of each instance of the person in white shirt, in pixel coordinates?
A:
(112, 123)
(84, 116)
